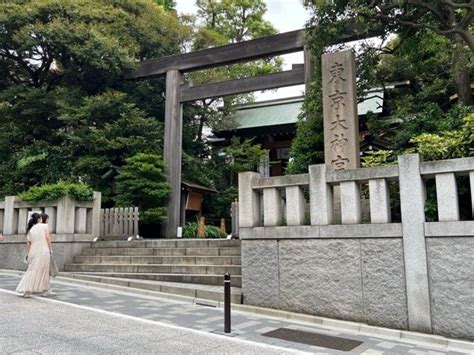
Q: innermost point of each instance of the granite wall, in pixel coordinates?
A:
(65, 247)
(451, 278)
(360, 279)
(353, 279)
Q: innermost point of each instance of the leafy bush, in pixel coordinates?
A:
(142, 182)
(378, 158)
(190, 231)
(448, 144)
(52, 192)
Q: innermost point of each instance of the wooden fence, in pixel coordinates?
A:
(119, 222)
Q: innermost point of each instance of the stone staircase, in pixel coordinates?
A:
(186, 267)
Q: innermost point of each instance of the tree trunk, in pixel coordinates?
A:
(462, 73)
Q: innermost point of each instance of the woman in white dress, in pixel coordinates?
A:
(36, 277)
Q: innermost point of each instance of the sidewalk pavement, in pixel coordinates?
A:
(83, 319)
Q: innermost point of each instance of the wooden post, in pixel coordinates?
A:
(308, 68)
(223, 231)
(201, 232)
(172, 150)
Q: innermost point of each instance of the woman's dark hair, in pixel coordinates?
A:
(33, 220)
(45, 217)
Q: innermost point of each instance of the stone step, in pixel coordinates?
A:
(156, 268)
(193, 260)
(201, 279)
(169, 243)
(172, 251)
(199, 291)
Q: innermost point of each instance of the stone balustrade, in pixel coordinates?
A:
(260, 198)
(406, 272)
(73, 225)
(66, 216)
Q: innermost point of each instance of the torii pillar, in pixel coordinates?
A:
(172, 150)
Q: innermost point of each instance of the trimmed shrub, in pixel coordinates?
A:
(52, 192)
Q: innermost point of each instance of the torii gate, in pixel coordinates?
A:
(177, 92)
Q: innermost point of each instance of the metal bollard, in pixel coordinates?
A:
(227, 284)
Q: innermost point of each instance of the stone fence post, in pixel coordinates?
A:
(412, 204)
(96, 219)
(249, 200)
(10, 216)
(65, 216)
(321, 196)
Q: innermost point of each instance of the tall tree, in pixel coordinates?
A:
(221, 22)
(65, 112)
(422, 48)
(450, 19)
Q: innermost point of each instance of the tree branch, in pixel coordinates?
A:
(455, 5)
(431, 9)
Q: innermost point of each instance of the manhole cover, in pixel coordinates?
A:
(321, 340)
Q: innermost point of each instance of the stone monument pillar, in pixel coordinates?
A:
(341, 122)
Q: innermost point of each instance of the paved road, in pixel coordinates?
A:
(40, 326)
(83, 319)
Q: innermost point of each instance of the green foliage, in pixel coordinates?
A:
(435, 65)
(87, 42)
(190, 231)
(142, 182)
(308, 145)
(219, 23)
(378, 158)
(223, 169)
(448, 144)
(65, 112)
(243, 155)
(53, 192)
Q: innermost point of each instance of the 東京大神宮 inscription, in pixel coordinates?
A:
(341, 130)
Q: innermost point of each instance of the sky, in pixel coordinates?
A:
(285, 16)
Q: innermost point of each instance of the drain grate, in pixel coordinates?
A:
(321, 340)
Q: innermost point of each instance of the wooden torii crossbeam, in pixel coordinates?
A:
(176, 93)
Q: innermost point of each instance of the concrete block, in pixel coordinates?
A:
(449, 229)
(295, 205)
(272, 211)
(447, 197)
(421, 338)
(22, 220)
(51, 212)
(260, 276)
(379, 201)
(80, 220)
(10, 216)
(471, 183)
(378, 230)
(95, 217)
(413, 218)
(451, 272)
(383, 277)
(249, 200)
(321, 277)
(338, 324)
(66, 213)
(321, 196)
(350, 202)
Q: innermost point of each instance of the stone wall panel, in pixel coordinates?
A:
(451, 279)
(260, 278)
(321, 277)
(383, 274)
